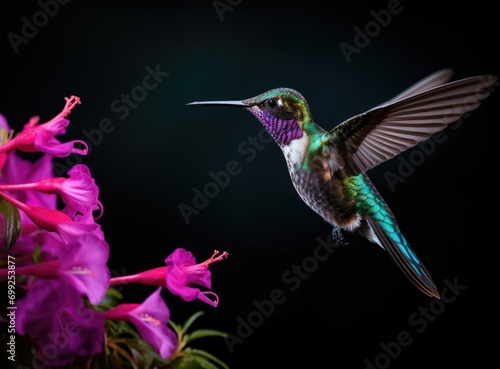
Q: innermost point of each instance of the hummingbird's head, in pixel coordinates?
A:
(280, 103)
(282, 111)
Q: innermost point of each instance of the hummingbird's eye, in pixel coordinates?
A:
(272, 103)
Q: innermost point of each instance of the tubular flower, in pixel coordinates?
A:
(57, 221)
(178, 276)
(150, 318)
(182, 271)
(82, 264)
(79, 192)
(18, 170)
(35, 137)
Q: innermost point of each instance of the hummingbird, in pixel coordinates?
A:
(328, 167)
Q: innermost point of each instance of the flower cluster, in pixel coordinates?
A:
(49, 225)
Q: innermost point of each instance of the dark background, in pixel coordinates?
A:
(161, 150)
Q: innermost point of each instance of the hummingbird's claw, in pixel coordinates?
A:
(338, 238)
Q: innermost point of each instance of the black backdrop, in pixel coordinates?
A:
(151, 154)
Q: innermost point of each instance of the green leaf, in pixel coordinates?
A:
(207, 355)
(177, 328)
(125, 355)
(145, 356)
(203, 362)
(122, 327)
(142, 359)
(193, 362)
(12, 223)
(114, 360)
(191, 319)
(113, 292)
(185, 362)
(200, 333)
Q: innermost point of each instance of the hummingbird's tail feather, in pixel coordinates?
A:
(392, 240)
(379, 225)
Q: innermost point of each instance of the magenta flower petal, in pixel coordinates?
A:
(58, 221)
(15, 171)
(150, 318)
(178, 277)
(182, 272)
(53, 314)
(50, 243)
(82, 223)
(35, 137)
(180, 257)
(178, 280)
(80, 191)
(45, 218)
(18, 171)
(45, 140)
(83, 265)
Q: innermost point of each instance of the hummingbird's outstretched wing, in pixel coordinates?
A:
(383, 132)
(433, 80)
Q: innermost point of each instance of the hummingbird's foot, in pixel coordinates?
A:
(338, 238)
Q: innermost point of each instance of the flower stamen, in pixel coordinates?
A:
(148, 318)
(82, 271)
(211, 260)
(71, 102)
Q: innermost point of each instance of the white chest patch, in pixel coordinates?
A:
(295, 151)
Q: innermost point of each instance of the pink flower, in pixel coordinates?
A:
(41, 137)
(16, 170)
(183, 271)
(57, 221)
(79, 192)
(54, 315)
(150, 318)
(45, 218)
(179, 275)
(82, 264)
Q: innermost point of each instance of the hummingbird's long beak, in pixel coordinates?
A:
(235, 103)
